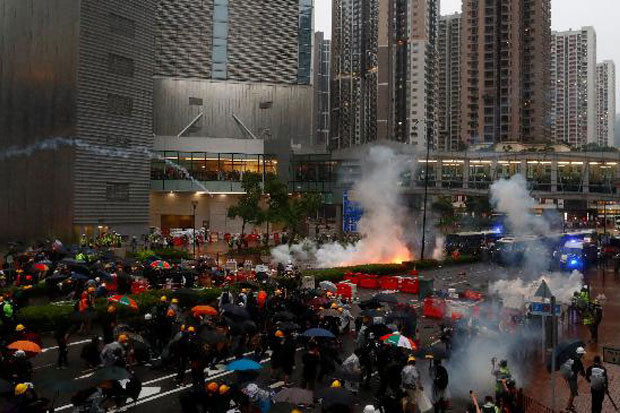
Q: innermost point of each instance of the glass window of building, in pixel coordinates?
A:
(570, 176)
(539, 175)
(305, 41)
(479, 174)
(452, 174)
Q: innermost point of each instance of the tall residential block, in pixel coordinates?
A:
(449, 97)
(76, 87)
(321, 90)
(424, 72)
(573, 87)
(605, 102)
(384, 71)
(505, 64)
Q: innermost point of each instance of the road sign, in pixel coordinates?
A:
(611, 355)
(544, 309)
(351, 213)
(543, 291)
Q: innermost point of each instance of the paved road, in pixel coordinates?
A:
(161, 394)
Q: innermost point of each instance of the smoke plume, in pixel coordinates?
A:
(382, 226)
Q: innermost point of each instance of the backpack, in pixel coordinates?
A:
(598, 381)
(441, 378)
(567, 369)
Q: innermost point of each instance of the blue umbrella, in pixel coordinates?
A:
(318, 332)
(244, 365)
(76, 276)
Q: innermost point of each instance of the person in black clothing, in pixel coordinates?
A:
(596, 375)
(90, 353)
(439, 374)
(62, 335)
(597, 317)
(310, 360)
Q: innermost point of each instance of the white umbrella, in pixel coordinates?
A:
(328, 285)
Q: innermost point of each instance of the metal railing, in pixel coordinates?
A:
(531, 405)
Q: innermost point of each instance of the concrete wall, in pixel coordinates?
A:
(212, 209)
(38, 58)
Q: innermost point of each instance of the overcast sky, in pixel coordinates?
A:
(604, 15)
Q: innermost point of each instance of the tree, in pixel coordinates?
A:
(444, 208)
(289, 210)
(248, 208)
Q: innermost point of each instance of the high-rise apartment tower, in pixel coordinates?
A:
(449, 97)
(606, 102)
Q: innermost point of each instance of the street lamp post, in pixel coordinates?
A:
(194, 205)
(428, 153)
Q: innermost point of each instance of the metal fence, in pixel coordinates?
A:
(531, 405)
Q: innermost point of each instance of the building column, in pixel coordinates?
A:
(437, 166)
(586, 177)
(466, 174)
(554, 176)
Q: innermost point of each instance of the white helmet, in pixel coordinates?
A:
(20, 353)
(370, 409)
(580, 350)
(148, 317)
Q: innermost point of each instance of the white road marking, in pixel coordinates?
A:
(75, 343)
(148, 391)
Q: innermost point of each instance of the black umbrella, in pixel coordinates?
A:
(563, 352)
(109, 373)
(294, 395)
(243, 327)
(77, 276)
(58, 277)
(386, 298)
(53, 386)
(287, 325)
(329, 313)
(212, 336)
(284, 316)
(186, 295)
(379, 330)
(335, 396)
(400, 315)
(235, 312)
(372, 312)
(370, 304)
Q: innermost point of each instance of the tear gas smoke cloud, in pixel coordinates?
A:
(382, 225)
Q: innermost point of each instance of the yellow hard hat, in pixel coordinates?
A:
(334, 305)
(20, 327)
(175, 301)
(91, 289)
(411, 358)
(279, 333)
(163, 298)
(191, 329)
(111, 309)
(21, 389)
(336, 384)
(224, 388)
(296, 410)
(212, 387)
(182, 327)
(122, 338)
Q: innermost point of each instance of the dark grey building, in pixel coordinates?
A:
(80, 71)
(249, 40)
(321, 90)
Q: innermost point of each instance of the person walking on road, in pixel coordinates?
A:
(570, 370)
(439, 375)
(596, 375)
(411, 384)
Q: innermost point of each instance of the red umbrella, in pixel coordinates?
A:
(124, 300)
(204, 310)
(160, 264)
(26, 346)
(41, 267)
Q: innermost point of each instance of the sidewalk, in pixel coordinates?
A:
(601, 281)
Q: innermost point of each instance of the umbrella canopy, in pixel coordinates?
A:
(57, 277)
(329, 313)
(25, 345)
(77, 276)
(212, 336)
(379, 330)
(284, 316)
(400, 315)
(41, 267)
(234, 311)
(187, 296)
(398, 340)
(294, 395)
(335, 396)
(109, 373)
(160, 265)
(386, 298)
(204, 310)
(318, 301)
(243, 365)
(318, 332)
(287, 325)
(53, 386)
(564, 351)
(370, 304)
(372, 312)
(328, 285)
(124, 300)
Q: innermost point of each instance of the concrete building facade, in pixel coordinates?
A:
(321, 112)
(449, 92)
(573, 87)
(75, 98)
(505, 71)
(605, 103)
